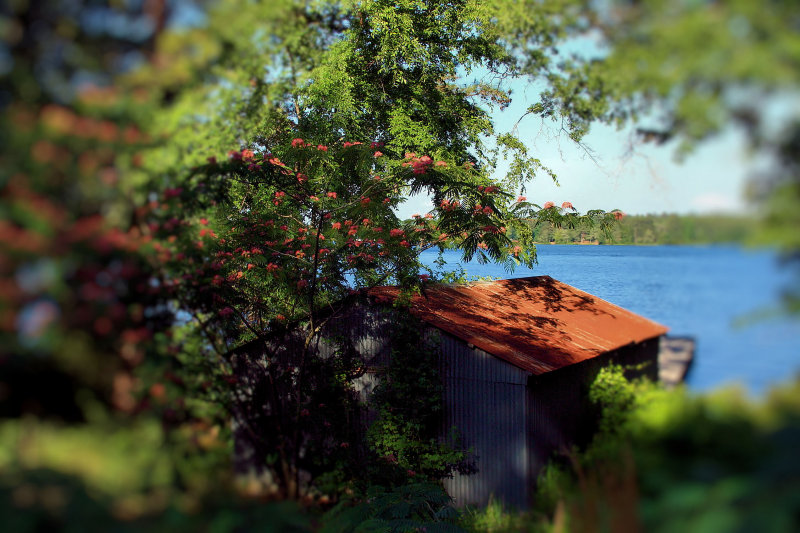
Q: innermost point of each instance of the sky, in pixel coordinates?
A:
(621, 172)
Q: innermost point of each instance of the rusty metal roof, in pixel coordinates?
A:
(538, 324)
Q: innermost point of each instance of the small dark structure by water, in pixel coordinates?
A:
(675, 360)
(517, 358)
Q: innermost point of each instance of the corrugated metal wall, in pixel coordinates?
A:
(485, 402)
(368, 330)
(560, 413)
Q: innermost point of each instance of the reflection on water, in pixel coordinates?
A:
(706, 292)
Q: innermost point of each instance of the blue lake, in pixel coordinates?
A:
(710, 293)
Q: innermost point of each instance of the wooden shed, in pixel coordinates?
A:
(517, 357)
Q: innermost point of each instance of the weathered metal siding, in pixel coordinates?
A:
(485, 401)
(367, 330)
(560, 415)
(363, 330)
(252, 408)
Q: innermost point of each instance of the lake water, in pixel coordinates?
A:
(710, 293)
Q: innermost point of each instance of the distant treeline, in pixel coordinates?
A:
(655, 229)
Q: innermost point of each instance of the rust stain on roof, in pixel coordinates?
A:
(538, 324)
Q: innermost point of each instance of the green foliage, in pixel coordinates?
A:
(670, 461)
(112, 475)
(656, 229)
(409, 405)
(413, 507)
(615, 396)
(494, 518)
(781, 196)
(397, 489)
(565, 224)
(106, 456)
(699, 65)
(44, 500)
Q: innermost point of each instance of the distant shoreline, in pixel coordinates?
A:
(597, 243)
(653, 230)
